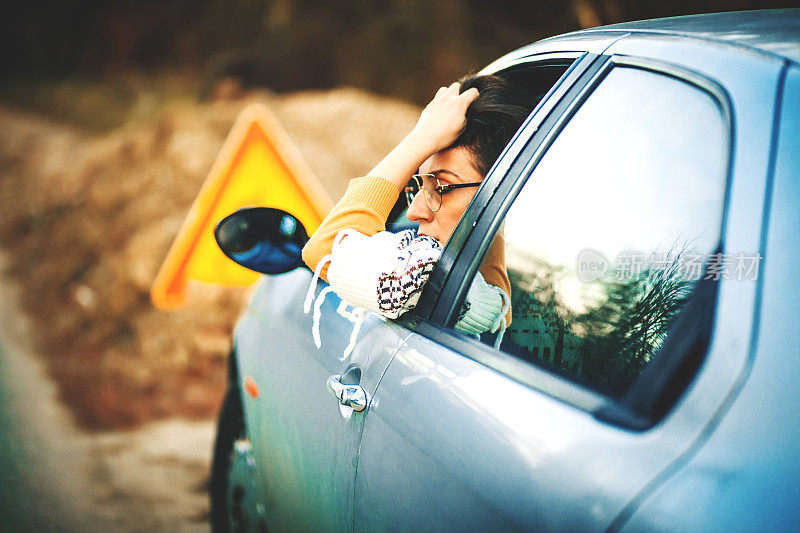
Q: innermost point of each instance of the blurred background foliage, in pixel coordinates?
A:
(403, 48)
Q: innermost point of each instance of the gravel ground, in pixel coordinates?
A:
(59, 478)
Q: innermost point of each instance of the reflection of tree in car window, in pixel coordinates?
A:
(610, 342)
(638, 190)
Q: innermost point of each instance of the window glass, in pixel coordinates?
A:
(610, 234)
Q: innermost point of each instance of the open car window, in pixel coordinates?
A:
(537, 78)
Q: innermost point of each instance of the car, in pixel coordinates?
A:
(648, 380)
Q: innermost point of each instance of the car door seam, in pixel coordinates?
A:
(364, 425)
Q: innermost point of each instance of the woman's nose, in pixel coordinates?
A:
(418, 210)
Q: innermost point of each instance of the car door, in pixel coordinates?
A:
(304, 442)
(638, 172)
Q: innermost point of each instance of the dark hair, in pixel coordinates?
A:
(492, 119)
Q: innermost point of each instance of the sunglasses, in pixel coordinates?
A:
(432, 189)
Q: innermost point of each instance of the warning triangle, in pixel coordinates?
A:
(257, 166)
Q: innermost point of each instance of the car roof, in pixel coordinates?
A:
(774, 31)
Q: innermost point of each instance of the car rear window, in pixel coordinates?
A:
(609, 236)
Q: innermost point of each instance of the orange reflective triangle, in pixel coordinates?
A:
(257, 166)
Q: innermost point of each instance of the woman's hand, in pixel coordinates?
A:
(437, 128)
(444, 118)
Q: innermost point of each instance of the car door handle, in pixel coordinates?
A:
(348, 395)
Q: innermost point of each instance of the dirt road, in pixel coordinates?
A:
(55, 477)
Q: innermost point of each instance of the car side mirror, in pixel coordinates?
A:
(263, 239)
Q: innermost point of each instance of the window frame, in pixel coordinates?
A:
(434, 292)
(652, 394)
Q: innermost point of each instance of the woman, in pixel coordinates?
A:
(440, 164)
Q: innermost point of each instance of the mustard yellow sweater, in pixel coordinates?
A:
(365, 207)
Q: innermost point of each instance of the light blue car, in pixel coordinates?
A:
(650, 378)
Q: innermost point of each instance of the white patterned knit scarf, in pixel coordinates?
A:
(386, 272)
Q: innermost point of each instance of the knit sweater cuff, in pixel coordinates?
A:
(379, 193)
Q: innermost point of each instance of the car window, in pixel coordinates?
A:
(536, 78)
(608, 237)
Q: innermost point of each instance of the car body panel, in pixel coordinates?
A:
(306, 447)
(771, 32)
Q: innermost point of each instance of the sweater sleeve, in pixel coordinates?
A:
(364, 207)
(493, 269)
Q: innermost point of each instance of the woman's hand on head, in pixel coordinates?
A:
(444, 118)
(438, 127)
